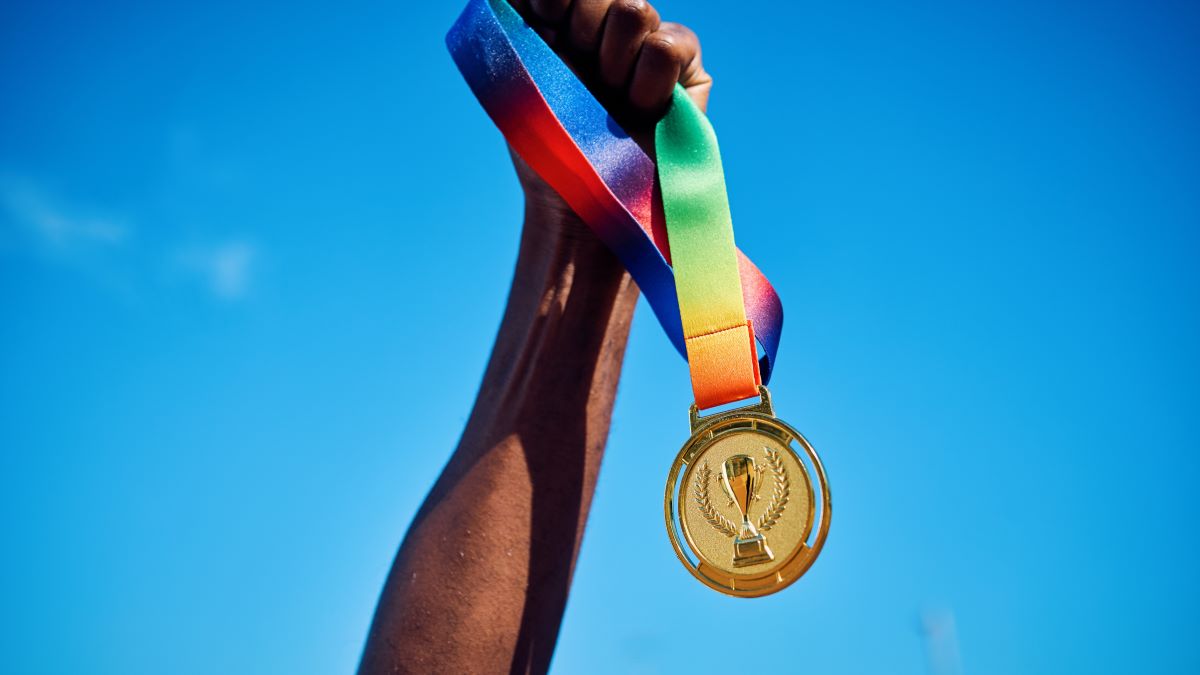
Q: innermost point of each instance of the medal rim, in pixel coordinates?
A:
(800, 559)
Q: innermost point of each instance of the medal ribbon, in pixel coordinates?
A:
(715, 303)
(719, 339)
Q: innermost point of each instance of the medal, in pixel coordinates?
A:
(747, 502)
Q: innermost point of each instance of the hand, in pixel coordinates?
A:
(628, 58)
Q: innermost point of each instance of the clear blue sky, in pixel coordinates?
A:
(252, 261)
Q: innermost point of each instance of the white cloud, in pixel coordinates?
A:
(941, 641)
(52, 221)
(230, 269)
(59, 231)
(226, 268)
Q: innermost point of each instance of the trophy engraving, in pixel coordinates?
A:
(738, 478)
(741, 479)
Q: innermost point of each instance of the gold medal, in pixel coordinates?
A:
(747, 502)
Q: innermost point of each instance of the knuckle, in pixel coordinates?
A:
(631, 10)
(665, 47)
(680, 32)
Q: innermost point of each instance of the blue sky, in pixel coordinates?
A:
(252, 260)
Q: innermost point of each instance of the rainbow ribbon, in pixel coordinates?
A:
(554, 123)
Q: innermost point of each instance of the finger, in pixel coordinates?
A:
(692, 72)
(694, 78)
(655, 73)
(627, 23)
(550, 11)
(587, 19)
(666, 55)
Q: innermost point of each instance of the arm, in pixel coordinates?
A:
(481, 579)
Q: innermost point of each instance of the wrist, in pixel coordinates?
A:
(556, 240)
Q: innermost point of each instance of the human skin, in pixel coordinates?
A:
(481, 580)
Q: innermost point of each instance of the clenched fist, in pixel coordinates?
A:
(627, 56)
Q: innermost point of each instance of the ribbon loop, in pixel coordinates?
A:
(554, 123)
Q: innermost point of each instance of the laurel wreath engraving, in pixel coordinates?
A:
(710, 513)
(780, 493)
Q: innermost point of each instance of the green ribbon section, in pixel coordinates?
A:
(699, 227)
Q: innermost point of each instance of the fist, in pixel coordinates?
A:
(629, 59)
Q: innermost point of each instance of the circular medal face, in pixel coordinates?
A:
(747, 504)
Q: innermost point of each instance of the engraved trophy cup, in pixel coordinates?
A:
(738, 477)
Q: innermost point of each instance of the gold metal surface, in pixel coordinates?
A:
(772, 486)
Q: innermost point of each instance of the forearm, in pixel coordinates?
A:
(480, 582)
